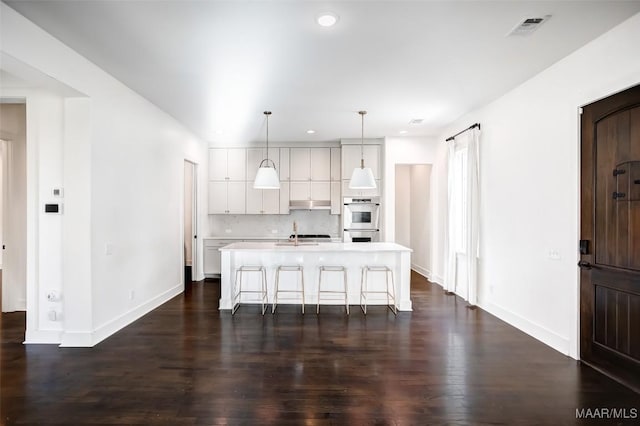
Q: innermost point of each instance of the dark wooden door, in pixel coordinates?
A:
(610, 234)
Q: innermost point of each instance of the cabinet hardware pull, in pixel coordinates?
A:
(617, 172)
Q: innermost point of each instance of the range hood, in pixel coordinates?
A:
(310, 205)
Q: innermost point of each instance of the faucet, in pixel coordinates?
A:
(295, 233)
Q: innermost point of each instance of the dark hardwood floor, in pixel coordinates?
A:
(187, 363)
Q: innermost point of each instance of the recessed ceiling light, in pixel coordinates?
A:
(311, 131)
(327, 19)
(403, 132)
(219, 132)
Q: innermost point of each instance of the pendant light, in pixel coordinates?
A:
(267, 176)
(362, 177)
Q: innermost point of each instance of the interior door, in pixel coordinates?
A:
(610, 236)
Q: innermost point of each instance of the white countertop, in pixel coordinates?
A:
(273, 237)
(238, 237)
(320, 247)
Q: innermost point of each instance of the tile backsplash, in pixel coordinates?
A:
(309, 222)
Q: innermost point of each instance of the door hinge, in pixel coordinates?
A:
(617, 195)
(617, 172)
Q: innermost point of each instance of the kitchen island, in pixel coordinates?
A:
(353, 256)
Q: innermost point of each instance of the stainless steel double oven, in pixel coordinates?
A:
(360, 218)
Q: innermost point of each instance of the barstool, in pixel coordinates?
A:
(344, 283)
(390, 291)
(283, 268)
(237, 289)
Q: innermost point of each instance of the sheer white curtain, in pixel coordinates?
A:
(463, 218)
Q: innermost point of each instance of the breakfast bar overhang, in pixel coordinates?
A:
(353, 256)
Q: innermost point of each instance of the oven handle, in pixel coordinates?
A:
(360, 230)
(361, 204)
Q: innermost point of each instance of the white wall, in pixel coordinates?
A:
(13, 131)
(413, 213)
(130, 196)
(188, 213)
(402, 150)
(2, 156)
(420, 218)
(403, 205)
(529, 154)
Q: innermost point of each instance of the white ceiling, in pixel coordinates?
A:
(216, 66)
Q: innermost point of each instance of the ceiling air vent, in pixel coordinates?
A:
(528, 25)
(416, 121)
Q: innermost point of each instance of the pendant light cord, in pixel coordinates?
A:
(267, 114)
(362, 113)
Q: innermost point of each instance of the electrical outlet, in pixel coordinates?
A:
(228, 230)
(108, 249)
(554, 254)
(274, 231)
(132, 294)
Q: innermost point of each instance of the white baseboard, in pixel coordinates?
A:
(42, 337)
(89, 339)
(546, 336)
(437, 279)
(113, 326)
(76, 339)
(422, 271)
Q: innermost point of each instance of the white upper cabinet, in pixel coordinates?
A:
(310, 190)
(348, 192)
(336, 199)
(270, 201)
(300, 163)
(310, 164)
(227, 164)
(237, 163)
(351, 159)
(284, 171)
(262, 201)
(255, 157)
(226, 197)
(284, 197)
(320, 164)
(336, 164)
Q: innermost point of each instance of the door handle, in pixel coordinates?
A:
(585, 265)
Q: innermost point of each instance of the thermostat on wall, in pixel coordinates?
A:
(57, 192)
(53, 208)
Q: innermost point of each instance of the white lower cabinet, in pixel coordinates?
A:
(212, 256)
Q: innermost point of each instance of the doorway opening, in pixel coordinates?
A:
(13, 206)
(190, 222)
(413, 214)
